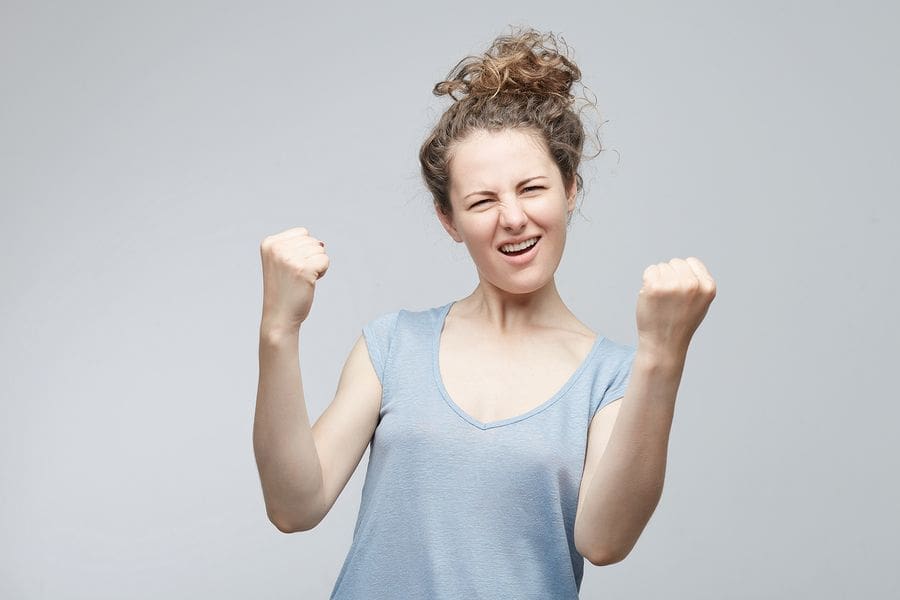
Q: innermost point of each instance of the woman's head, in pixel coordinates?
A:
(521, 82)
(513, 121)
(506, 189)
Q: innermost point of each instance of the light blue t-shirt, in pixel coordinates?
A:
(453, 508)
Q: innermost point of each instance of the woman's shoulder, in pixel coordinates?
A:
(408, 315)
(415, 312)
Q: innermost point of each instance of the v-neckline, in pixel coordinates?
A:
(436, 347)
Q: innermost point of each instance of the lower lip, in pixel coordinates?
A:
(522, 258)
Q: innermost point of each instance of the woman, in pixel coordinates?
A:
(509, 441)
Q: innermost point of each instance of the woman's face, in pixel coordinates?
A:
(504, 187)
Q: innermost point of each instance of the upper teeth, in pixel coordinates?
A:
(519, 246)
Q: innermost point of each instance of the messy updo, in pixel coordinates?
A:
(522, 82)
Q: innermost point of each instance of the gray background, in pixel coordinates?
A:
(148, 148)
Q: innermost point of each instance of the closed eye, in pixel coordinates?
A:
(531, 187)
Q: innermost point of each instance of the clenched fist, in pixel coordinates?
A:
(292, 262)
(672, 302)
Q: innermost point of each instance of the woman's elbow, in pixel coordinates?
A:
(288, 526)
(606, 557)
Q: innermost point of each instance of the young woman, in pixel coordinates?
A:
(508, 440)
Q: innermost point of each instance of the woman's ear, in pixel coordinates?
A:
(570, 196)
(447, 222)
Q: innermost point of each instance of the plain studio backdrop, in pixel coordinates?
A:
(146, 149)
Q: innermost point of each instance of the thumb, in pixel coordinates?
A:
(319, 263)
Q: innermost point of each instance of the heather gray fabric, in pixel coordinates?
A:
(454, 508)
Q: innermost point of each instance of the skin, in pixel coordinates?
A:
(509, 300)
(512, 343)
(627, 443)
(303, 469)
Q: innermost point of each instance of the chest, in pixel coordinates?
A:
(492, 382)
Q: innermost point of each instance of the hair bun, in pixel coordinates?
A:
(524, 62)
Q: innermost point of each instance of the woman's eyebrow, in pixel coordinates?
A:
(523, 182)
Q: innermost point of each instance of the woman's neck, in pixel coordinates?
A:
(515, 314)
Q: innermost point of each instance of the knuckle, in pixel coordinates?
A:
(653, 288)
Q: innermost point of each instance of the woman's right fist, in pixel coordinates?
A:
(292, 262)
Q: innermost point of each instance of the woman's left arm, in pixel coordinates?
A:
(623, 477)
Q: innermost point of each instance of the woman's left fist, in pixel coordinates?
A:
(672, 303)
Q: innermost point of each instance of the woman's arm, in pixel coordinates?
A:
(623, 481)
(304, 470)
(283, 443)
(626, 478)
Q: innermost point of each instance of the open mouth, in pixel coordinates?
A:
(523, 251)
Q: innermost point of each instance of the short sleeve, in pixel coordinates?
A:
(616, 375)
(378, 333)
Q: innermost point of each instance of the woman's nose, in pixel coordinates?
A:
(512, 216)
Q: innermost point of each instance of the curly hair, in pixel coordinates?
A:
(522, 82)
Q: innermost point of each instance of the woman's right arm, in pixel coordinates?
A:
(303, 469)
(285, 450)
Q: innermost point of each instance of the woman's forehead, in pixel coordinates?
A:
(485, 159)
